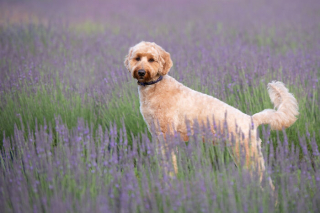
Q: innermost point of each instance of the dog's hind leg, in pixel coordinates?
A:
(254, 160)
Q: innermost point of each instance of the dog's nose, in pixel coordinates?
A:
(141, 72)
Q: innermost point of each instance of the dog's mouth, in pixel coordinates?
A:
(140, 78)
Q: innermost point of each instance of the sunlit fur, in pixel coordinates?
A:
(170, 104)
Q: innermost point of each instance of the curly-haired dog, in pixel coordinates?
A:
(168, 104)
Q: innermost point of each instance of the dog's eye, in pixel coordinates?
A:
(151, 60)
(138, 58)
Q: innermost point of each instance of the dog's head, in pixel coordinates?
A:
(146, 61)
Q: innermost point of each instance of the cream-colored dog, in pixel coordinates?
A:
(168, 104)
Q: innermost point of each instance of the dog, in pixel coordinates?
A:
(168, 105)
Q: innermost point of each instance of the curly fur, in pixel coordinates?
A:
(169, 105)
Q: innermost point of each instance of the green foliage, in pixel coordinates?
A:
(34, 105)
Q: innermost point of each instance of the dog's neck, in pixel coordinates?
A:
(150, 82)
(151, 90)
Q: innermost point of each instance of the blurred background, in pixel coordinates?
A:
(140, 15)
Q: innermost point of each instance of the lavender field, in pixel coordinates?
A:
(72, 136)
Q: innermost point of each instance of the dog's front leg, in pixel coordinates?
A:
(166, 152)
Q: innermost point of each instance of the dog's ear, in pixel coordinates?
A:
(165, 61)
(127, 58)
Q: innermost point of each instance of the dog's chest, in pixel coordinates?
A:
(153, 105)
(149, 107)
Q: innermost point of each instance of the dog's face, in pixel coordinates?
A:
(147, 61)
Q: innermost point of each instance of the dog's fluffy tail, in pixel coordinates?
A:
(286, 104)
